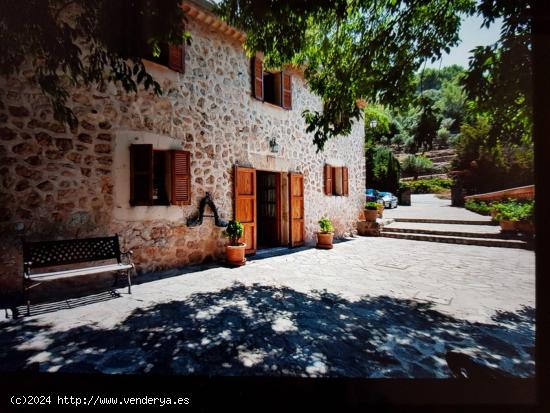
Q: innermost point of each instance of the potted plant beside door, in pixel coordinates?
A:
(380, 208)
(324, 236)
(234, 251)
(371, 211)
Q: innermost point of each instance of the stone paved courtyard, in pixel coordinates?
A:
(371, 307)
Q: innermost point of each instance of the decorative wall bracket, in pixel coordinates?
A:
(197, 219)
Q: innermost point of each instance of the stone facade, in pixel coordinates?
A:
(60, 183)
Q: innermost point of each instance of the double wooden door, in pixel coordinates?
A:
(245, 204)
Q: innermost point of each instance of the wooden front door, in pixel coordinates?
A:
(296, 195)
(268, 216)
(245, 204)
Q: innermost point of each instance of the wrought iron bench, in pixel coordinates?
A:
(73, 251)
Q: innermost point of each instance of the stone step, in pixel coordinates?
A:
(486, 242)
(447, 221)
(450, 233)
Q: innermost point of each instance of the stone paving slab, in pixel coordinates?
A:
(370, 307)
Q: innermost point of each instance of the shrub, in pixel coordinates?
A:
(508, 213)
(430, 185)
(442, 139)
(234, 232)
(480, 207)
(383, 168)
(417, 165)
(326, 225)
(514, 210)
(371, 205)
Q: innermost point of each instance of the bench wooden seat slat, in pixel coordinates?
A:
(82, 252)
(80, 271)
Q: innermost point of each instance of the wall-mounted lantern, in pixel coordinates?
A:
(273, 145)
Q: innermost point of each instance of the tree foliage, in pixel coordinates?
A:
(80, 42)
(495, 144)
(415, 165)
(499, 81)
(351, 49)
(383, 169)
(383, 130)
(426, 129)
(434, 79)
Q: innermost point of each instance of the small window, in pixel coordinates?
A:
(162, 59)
(159, 177)
(172, 56)
(336, 181)
(271, 87)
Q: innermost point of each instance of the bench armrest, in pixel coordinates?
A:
(127, 255)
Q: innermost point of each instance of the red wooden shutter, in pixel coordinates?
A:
(287, 90)
(244, 180)
(345, 181)
(181, 178)
(257, 78)
(141, 174)
(176, 57)
(297, 221)
(328, 180)
(337, 180)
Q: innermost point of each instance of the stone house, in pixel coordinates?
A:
(138, 164)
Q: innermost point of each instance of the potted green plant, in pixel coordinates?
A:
(507, 217)
(325, 235)
(380, 208)
(525, 223)
(371, 211)
(234, 251)
(495, 208)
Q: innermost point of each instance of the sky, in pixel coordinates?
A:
(471, 35)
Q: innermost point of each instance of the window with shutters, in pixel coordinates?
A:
(171, 56)
(271, 87)
(336, 180)
(159, 177)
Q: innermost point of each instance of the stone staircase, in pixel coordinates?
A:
(467, 232)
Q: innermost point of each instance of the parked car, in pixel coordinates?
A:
(389, 199)
(371, 195)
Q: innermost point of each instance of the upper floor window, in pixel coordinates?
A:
(271, 87)
(169, 55)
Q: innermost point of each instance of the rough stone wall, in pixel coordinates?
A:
(58, 183)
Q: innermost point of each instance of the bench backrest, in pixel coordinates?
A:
(50, 253)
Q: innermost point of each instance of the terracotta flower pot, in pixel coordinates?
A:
(380, 210)
(324, 240)
(235, 254)
(371, 214)
(525, 227)
(507, 226)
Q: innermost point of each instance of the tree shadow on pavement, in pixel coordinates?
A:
(275, 331)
